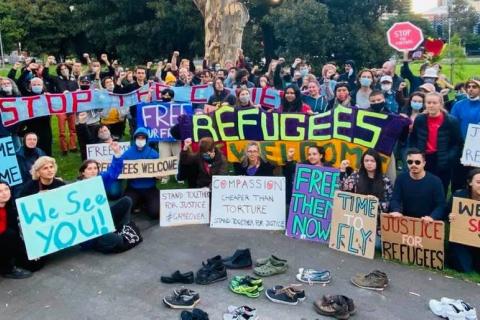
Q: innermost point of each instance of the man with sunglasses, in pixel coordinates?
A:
(467, 111)
(418, 193)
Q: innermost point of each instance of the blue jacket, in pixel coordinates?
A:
(466, 111)
(134, 153)
(112, 173)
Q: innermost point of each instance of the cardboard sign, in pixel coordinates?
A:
(354, 224)
(102, 151)
(471, 149)
(184, 206)
(465, 228)
(412, 241)
(243, 202)
(310, 213)
(158, 118)
(61, 218)
(9, 169)
(361, 127)
(148, 168)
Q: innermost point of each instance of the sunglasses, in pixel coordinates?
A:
(472, 86)
(417, 162)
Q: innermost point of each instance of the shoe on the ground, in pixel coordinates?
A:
(195, 314)
(285, 295)
(247, 286)
(470, 312)
(272, 267)
(178, 277)
(452, 309)
(240, 313)
(262, 261)
(312, 276)
(296, 288)
(182, 299)
(375, 280)
(211, 273)
(17, 273)
(241, 259)
(337, 306)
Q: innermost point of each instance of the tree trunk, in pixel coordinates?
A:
(224, 24)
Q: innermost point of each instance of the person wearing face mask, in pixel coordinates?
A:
(365, 86)
(202, 165)
(466, 111)
(437, 134)
(96, 74)
(28, 154)
(113, 118)
(8, 88)
(342, 96)
(263, 82)
(388, 69)
(431, 76)
(41, 126)
(244, 100)
(390, 94)
(143, 191)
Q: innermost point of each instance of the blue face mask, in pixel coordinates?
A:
(416, 105)
(303, 72)
(365, 82)
(37, 89)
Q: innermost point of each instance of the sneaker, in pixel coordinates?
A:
(469, 311)
(312, 276)
(375, 280)
(336, 306)
(178, 277)
(211, 273)
(450, 311)
(240, 313)
(247, 286)
(182, 299)
(285, 295)
(297, 288)
(17, 273)
(240, 259)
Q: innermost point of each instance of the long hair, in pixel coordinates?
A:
(471, 174)
(10, 204)
(84, 166)
(244, 160)
(295, 105)
(377, 189)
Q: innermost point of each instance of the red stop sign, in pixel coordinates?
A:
(404, 36)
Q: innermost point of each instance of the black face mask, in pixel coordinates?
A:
(85, 87)
(377, 107)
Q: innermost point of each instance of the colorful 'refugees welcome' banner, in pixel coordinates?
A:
(16, 109)
(348, 126)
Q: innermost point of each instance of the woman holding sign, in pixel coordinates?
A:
(253, 163)
(462, 257)
(13, 248)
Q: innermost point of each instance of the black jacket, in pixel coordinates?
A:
(449, 140)
(194, 166)
(265, 169)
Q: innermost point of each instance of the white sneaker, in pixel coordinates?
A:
(445, 310)
(470, 312)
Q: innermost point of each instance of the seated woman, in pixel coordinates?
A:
(253, 163)
(315, 157)
(120, 209)
(204, 164)
(369, 180)
(43, 177)
(28, 154)
(13, 248)
(459, 256)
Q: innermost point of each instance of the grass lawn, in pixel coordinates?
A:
(68, 166)
(461, 73)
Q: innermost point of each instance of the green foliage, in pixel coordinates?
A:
(455, 53)
(417, 20)
(463, 17)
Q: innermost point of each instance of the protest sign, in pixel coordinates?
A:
(471, 149)
(404, 36)
(184, 206)
(243, 202)
(354, 224)
(310, 213)
(412, 241)
(61, 218)
(360, 127)
(9, 169)
(465, 228)
(276, 151)
(158, 118)
(148, 168)
(102, 151)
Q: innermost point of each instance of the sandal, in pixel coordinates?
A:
(271, 268)
(263, 261)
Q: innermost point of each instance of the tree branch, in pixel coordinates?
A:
(201, 6)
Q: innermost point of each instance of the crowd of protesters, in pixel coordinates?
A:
(426, 157)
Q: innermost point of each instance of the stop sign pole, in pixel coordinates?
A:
(404, 36)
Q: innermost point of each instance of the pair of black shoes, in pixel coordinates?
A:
(241, 259)
(16, 273)
(212, 271)
(178, 277)
(195, 314)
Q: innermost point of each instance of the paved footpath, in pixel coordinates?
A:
(89, 285)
